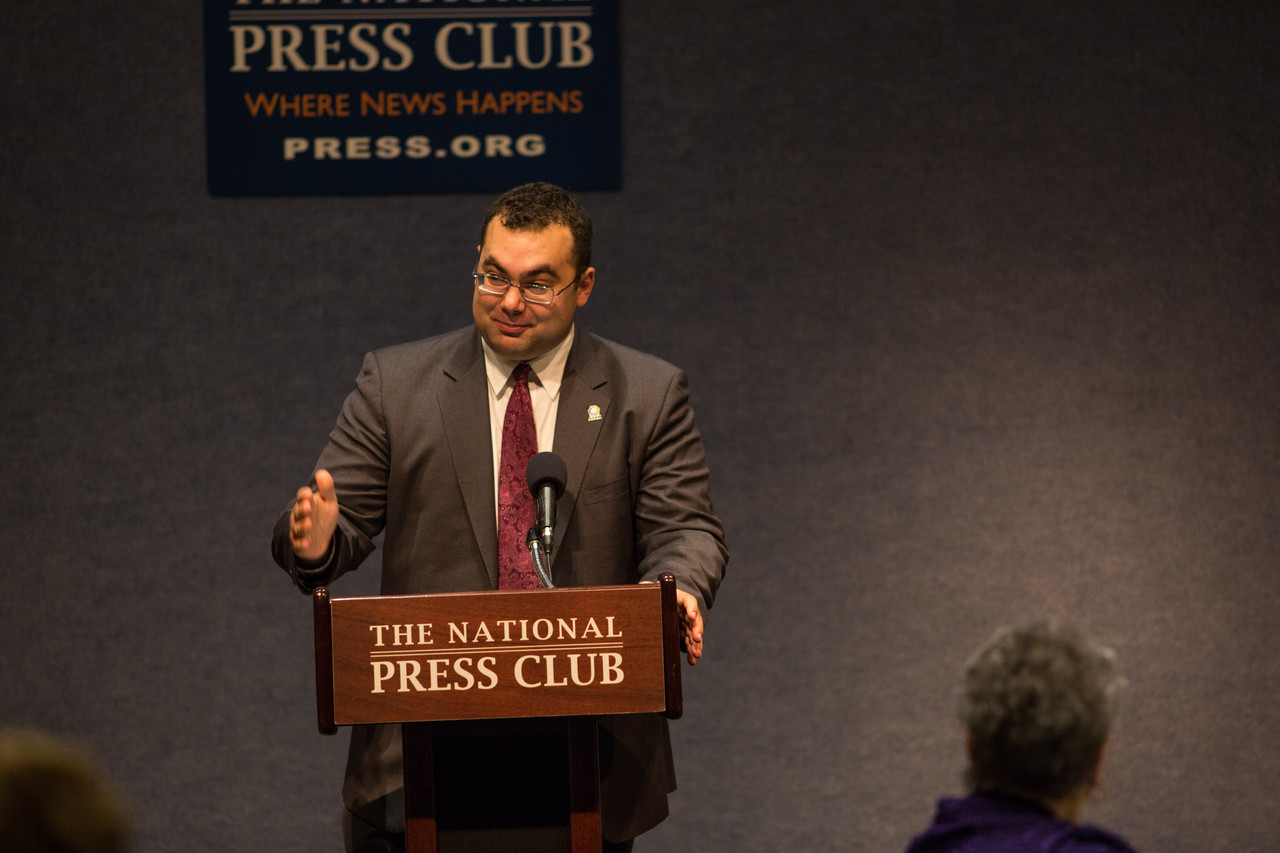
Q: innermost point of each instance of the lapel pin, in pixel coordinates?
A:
(593, 413)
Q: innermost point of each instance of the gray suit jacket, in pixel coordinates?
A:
(411, 455)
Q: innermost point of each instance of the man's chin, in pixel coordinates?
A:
(513, 347)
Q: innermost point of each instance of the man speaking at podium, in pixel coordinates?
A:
(432, 446)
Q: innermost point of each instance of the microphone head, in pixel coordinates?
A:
(546, 468)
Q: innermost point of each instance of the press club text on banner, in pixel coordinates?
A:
(410, 96)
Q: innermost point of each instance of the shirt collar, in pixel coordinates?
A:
(547, 369)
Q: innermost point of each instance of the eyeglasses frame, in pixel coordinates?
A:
(478, 277)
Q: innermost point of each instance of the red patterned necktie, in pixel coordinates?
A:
(515, 501)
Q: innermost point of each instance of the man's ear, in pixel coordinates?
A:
(585, 282)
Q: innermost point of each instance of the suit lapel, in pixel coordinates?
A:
(583, 409)
(464, 408)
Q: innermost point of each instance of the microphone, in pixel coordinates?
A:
(546, 475)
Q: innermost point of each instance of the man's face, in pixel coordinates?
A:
(514, 328)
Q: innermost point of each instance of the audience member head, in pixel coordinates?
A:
(1037, 704)
(52, 799)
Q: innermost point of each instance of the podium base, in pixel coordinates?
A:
(538, 839)
(516, 784)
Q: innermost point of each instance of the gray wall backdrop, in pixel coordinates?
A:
(980, 309)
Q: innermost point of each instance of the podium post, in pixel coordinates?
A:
(556, 658)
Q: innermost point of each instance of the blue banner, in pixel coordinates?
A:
(319, 97)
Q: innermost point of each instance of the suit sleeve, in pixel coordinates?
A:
(676, 528)
(358, 457)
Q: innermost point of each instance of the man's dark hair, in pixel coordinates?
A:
(533, 207)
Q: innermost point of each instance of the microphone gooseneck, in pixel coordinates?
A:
(540, 567)
(546, 476)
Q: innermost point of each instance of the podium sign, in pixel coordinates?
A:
(460, 656)
(568, 655)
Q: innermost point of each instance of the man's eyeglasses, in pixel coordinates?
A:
(534, 294)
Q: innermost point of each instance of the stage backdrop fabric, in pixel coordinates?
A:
(979, 307)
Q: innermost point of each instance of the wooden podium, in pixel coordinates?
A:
(512, 663)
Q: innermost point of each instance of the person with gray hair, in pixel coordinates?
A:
(1037, 705)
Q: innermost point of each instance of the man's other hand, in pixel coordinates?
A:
(314, 518)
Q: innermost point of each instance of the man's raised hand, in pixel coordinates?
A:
(314, 518)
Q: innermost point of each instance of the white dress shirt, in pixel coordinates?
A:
(546, 373)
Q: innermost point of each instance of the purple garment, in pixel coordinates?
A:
(989, 823)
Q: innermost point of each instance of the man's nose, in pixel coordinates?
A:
(513, 300)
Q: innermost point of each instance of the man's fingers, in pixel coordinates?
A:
(692, 617)
(301, 512)
(314, 516)
(690, 624)
(693, 650)
(324, 484)
(692, 627)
